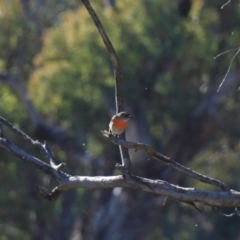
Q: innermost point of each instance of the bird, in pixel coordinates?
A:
(119, 123)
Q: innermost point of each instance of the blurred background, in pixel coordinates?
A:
(56, 84)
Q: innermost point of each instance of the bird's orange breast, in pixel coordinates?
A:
(119, 124)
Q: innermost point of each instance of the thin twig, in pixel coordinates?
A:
(42, 147)
(23, 135)
(126, 164)
(44, 167)
(160, 157)
(235, 213)
(225, 4)
(231, 50)
(228, 70)
(113, 55)
(17, 131)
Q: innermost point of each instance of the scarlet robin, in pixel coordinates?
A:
(119, 123)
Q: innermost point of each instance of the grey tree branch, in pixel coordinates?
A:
(17, 131)
(44, 167)
(42, 147)
(224, 198)
(67, 182)
(160, 157)
(113, 55)
(126, 164)
(236, 212)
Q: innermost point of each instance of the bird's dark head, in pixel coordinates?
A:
(124, 116)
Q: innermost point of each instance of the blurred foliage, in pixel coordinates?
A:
(167, 63)
(78, 60)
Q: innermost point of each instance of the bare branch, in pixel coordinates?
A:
(222, 53)
(235, 213)
(126, 164)
(158, 156)
(225, 198)
(42, 147)
(17, 131)
(229, 67)
(44, 167)
(113, 55)
(225, 4)
(66, 182)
